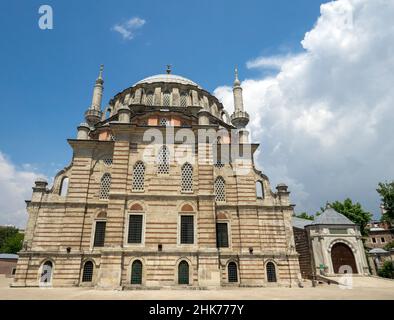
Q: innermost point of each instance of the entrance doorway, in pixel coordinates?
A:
(342, 255)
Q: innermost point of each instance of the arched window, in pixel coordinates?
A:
(136, 272)
(271, 272)
(64, 187)
(183, 101)
(163, 161)
(220, 190)
(166, 99)
(139, 176)
(87, 275)
(149, 98)
(183, 272)
(46, 273)
(259, 190)
(187, 177)
(105, 185)
(232, 272)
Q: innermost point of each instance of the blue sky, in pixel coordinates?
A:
(317, 79)
(47, 76)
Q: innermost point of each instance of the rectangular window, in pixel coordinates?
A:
(338, 231)
(135, 229)
(382, 240)
(187, 229)
(99, 234)
(222, 235)
(374, 240)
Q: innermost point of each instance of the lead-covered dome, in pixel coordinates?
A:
(167, 78)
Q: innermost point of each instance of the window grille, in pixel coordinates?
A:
(107, 161)
(135, 229)
(139, 176)
(187, 177)
(219, 163)
(183, 273)
(166, 99)
(222, 235)
(164, 122)
(232, 272)
(183, 100)
(163, 161)
(187, 230)
(105, 186)
(271, 273)
(220, 190)
(99, 234)
(149, 99)
(87, 275)
(136, 272)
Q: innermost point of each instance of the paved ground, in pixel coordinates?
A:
(363, 288)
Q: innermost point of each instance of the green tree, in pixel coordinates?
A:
(386, 192)
(304, 215)
(354, 212)
(12, 244)
(387, 270)
(389, 246)
(6, 232)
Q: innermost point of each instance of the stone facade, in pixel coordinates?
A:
(64, 221)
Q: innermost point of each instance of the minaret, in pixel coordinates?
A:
(239, 118)
(93, 114)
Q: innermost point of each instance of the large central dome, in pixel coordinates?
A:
(169, 78)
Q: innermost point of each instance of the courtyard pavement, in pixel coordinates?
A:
(362, 289)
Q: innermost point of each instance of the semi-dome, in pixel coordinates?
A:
(168, 78)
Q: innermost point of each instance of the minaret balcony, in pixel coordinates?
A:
(240, 119)
(93, 116)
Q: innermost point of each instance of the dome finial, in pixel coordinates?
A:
(168, 69)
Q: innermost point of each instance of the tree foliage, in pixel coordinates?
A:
(386, 192)
(304, 215)
(6, 232)
(11, 240)
(387, 270)
(389, 246)
(13, 244)
(354, 212)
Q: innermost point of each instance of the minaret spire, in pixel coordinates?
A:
(93, 114)
(236, 81)
(239, 118)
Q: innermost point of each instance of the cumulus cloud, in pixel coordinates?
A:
(15, 187)
(128, 28)
(325, 120)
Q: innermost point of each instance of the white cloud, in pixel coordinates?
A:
(325, 120)
(272, 62)
(15, 187)
(128, 28)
